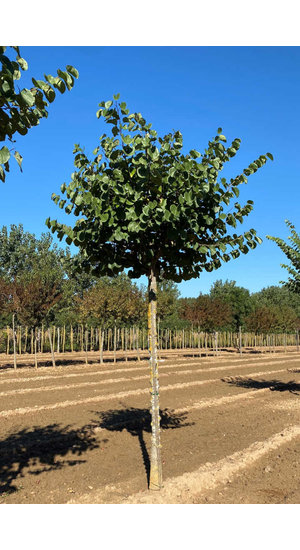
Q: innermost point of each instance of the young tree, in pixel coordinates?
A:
(292, 253)
(207, 312)
(20, 110)
(148, 207)
(32, 298)
(112, 300)
(237, 297)
(267, 318)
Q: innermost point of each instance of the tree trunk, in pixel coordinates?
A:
(35, 349)
(14, 341)
(51, 347)
(155, 482)
(101, 340)
(115, 343)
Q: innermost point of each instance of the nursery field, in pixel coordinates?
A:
(80, 432)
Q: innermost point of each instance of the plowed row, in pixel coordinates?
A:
(81, 433)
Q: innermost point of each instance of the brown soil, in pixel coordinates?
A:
(81, 433)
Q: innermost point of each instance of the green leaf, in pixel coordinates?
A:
(72, 71)
(2, 174)
(19, 159)
(270, 156)
(4, 155)
(66, 77)
(23, 63)
(28, 97)
(116, 96)
(108, 104)
(174, 210)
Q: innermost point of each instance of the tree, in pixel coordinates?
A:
(148, 207)
(292, 253)
(207, 312)
(27, 261)
(23, 253)
(237, 297)
(21, 110)
(112, 300)
(267, 318)
(278, 296)
(32, 299)
(167, 302)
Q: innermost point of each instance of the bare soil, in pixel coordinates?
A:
(80, 433)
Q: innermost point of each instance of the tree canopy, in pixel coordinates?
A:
(22, 109)
(140, 200)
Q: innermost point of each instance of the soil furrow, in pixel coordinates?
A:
(119, 395)
(190, 486)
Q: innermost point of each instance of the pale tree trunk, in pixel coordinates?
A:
(35, 349)
(51, 347)
(14, 341)
(101, 340)
(155, 482)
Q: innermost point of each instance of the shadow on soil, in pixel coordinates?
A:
(274, 385)
(40, 450)
(67, 362)
(138, 421)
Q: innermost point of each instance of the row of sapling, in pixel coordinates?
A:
(30, 298)
(144, 205)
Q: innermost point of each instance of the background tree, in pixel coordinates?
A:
(207, 313)
(112, 300)
(147, 206)
(20, 110)
(26, 261)
(167, 303)
(292, 252)
(32, 299)
(278, 296)
(271, 318)
(237, 297)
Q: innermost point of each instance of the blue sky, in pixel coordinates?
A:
(251, 92)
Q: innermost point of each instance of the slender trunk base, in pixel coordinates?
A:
(155, 481)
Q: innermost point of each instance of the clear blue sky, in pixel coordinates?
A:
(251, 92)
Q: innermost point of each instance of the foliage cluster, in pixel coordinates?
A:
(22, 109)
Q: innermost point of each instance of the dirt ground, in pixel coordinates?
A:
(80, 433)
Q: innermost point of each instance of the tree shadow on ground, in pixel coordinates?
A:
(273, 385)
(137, 421)
(9, 365)
(41, 449)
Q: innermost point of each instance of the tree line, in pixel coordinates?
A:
(40, 285)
